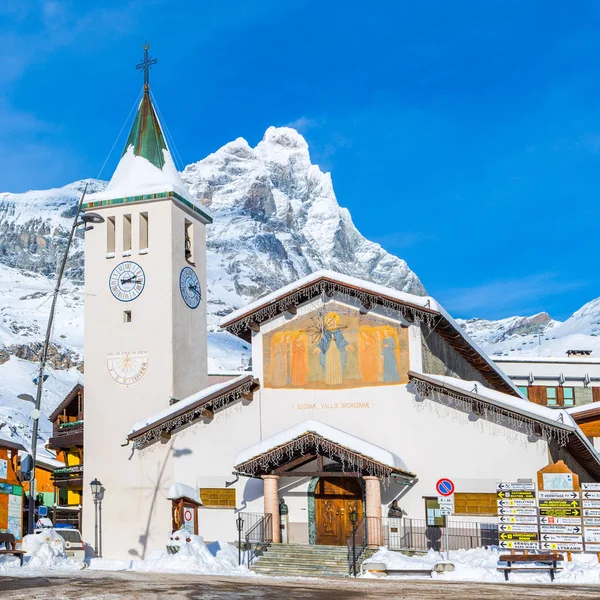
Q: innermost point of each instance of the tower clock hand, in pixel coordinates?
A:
(130, 279)
(194, 288)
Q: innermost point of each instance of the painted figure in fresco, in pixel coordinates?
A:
(299, 359)
(333, 347)
(279, 364)
(390, 361)
(368, 354)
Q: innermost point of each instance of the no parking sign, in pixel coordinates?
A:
(188, 519)
(445, 487)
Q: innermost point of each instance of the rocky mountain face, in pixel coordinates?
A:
(276, 218)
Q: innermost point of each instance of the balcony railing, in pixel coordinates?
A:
(68, 476)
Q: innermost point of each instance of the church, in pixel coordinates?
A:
(360, 397)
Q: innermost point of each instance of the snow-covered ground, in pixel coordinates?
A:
(480, 564)
(46, 552)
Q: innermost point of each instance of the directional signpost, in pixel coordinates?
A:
(517, 516)
(590, 498)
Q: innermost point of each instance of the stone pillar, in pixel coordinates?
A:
(271, 497)
(373, 511)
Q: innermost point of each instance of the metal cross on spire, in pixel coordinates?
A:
(145, 65)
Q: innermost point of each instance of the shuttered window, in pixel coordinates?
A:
(219, 497)
(475, 504)
(551, 396)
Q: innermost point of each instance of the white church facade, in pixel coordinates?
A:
(360, 397)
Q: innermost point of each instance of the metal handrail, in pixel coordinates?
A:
(264, 527)
(357, 543)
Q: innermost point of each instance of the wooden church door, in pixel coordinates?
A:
(335, 498)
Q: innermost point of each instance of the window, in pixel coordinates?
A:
(144, 231)
(218, 497)
(189, 241)
(568, 396)
(110, 235)
(126, 233)
(475, 504)
(126, 316)
(524, 390)
(551, 399)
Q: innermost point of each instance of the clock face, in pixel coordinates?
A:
(127, 281)
(189, 286)
(127, 368)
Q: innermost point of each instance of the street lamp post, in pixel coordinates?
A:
(96, 487)
(240, 525)
(87, 220)
(353, 515)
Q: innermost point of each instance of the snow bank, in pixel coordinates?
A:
(480, 564)
(45, 551)
(194, 556)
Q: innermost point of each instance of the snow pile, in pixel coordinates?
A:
(46, 550)
(193, 556)
(181, 490)
(480, 564)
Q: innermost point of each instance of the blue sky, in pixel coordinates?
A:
(464, 137)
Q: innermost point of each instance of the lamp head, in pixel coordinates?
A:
(92, 218)
(96, 487)
(26, 397)
(353, 516)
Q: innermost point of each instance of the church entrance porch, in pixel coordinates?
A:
(346, 474)
(335, 499)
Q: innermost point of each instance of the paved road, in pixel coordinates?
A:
(97, 585)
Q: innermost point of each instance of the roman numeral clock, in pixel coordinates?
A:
(126, 283)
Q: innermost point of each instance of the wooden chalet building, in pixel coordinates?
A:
(67, 442)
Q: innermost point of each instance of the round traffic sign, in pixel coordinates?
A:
(187, 515)
(444, 487)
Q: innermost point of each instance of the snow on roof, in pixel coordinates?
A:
(426, 302)
(337, 436)
(182, 404)
(583, 408)
(520, 405)
(8, 442)
(181, 490)
(137, 176)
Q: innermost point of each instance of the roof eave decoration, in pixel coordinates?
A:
(204, 408)
(327, 287)
(264, 463)
(535, 426)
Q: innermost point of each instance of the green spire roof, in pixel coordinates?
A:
(146, 136)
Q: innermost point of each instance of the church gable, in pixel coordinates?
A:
(336, 347)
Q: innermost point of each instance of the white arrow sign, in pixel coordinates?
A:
(560, 520)
(517, 519)
(508, 486)
(591, 512)
(551, 537)
(518, 528)
(591, 521)
(590, 495)
(573, 529)
(593, 487)
(526, 502)
(562, 547)
(505, 510)
(558, 495)
(520, 545)
(591, 504)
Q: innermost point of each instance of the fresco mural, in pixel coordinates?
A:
(335, 348)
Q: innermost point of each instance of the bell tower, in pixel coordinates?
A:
(145, 319)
